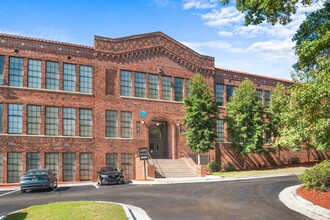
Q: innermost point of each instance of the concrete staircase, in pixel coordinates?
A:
(167, 168)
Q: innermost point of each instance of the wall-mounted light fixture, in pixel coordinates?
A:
(160, 70)
(157, 124)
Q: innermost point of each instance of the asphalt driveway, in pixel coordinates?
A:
(245, 199)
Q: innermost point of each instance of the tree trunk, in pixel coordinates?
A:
(279, 156)
(198, 159)
(244, 162)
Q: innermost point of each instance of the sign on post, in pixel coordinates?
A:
(143, 153)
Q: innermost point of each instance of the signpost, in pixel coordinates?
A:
(143, 152)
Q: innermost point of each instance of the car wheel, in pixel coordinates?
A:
(99, 182)
(123, 182)
(23, 190)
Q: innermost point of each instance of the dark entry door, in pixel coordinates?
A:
(158, 139)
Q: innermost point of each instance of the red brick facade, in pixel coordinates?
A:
(153, 53)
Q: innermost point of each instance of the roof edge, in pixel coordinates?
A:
(156, 33)
(46, 41)
(253, 74)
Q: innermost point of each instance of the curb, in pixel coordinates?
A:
(295, 202)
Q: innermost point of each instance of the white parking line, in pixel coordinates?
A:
(8, 193)
(96, 186)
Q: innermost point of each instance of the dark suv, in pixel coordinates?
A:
(110, 175)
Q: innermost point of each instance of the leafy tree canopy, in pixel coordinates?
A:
(245, 119)
(272, 11)
(201, 114)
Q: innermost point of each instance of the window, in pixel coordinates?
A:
(182, 130)
(69, 77)
(69, 167)
(86, 79)
(126, 125)
(219, 94)
(140, 85)
(86, 166)
(86, 122)
(52, 75)
(1, 119)
(125, 83)
(14, 167)
(178, 89)
(1, 168)
(268, 136)
(51, 120)
(138, 127)
(15, 113)
(16, 71)
(259, 95)
(267, 98)
(51, 162)
(33, 119)
(34, 74)
(153, 86)
(111, 124)
(69, 121)
(220, 131)
(112, 160)
(229, 92)
(2, 70)
(187, 87)
(32, 161)
(166, 88)
(127, 165)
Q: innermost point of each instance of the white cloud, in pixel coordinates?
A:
(199, 4)
(273, 49)
(226, 16)
(225, 33)
(197, 46)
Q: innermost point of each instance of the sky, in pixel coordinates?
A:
(205, 26)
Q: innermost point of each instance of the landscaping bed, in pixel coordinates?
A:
(317, 198)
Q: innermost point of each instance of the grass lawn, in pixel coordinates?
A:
(72, 211)
(261, 172)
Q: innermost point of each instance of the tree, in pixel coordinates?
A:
(278, 107)
(307, 121)
(271, 11)
(245, 120)
(310, 93)
(201, 114)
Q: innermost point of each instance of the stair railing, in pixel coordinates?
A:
(156, 164)
(191, 163)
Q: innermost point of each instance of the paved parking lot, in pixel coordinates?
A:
(248, 199)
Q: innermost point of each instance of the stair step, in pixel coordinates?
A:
(173, 168)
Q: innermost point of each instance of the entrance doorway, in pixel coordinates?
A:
(158, 139)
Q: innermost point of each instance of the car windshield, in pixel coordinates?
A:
(109, 169)
(36, 172)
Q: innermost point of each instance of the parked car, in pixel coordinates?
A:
(110, 175)
(38, 179)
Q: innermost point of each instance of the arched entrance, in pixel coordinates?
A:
(158, 139)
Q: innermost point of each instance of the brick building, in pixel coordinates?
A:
(75, 108)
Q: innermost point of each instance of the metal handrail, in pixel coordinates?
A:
(155, 163)
(191, 163)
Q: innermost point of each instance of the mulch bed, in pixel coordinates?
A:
(317, 198)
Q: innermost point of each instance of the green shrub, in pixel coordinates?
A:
(229, 167)
(213, 167)
(294, 160)
(317, 177)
